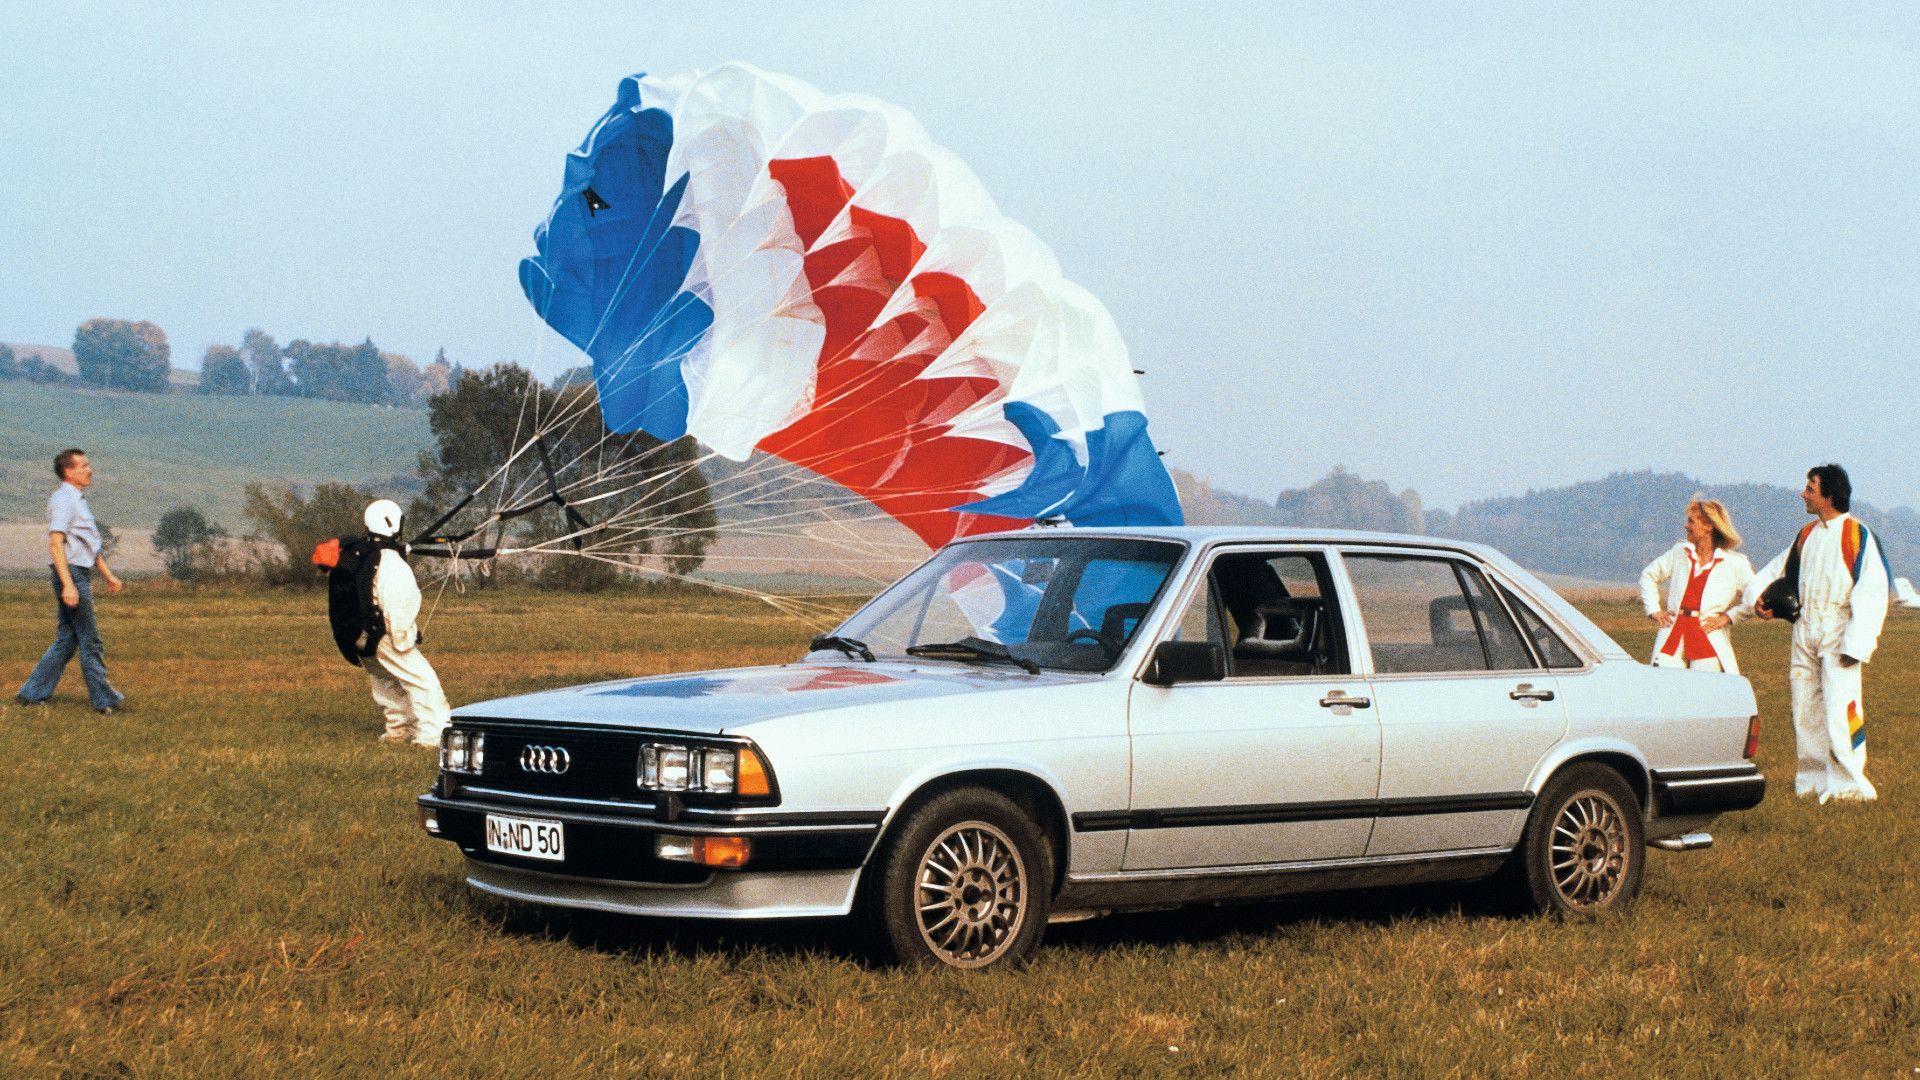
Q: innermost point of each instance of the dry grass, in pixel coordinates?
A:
(227, 881)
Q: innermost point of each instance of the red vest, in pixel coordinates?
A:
(1687, 632)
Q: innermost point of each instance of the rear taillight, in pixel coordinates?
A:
(1753, 736)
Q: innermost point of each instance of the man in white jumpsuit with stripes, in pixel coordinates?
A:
(404, 684)
(1843, 582)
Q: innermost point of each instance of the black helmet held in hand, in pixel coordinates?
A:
(1782, 598)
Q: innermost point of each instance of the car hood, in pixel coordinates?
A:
(711, 702)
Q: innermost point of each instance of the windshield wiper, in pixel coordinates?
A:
(973, 648)
(847, 645)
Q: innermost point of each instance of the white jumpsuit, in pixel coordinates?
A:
(404, 684)
(1839, 616)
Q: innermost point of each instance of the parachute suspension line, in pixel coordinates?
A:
(764, 490)
(760, 484)
(819, 615)
(447, 546)
(428, 535)
(553, 487)
(427, 623)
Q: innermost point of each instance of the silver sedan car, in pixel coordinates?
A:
(1044, 725)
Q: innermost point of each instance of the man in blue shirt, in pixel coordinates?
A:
(73, 543)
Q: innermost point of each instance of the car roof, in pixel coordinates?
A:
(1254, 534)
(1201, 536)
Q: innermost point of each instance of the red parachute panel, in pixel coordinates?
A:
(876, 427)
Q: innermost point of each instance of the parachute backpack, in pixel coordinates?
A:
(350, 562)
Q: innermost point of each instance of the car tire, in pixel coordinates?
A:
(965, 880)
(1584, 850)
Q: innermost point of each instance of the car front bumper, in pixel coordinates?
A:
(801, 864)
(723, 895)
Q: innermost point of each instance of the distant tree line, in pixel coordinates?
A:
(112, 353)
(1339, 500)
(262, 366)
(1605, 530)
(1609, 529)
(30, 368)
(666, 518)
(120, 354)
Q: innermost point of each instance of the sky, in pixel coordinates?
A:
(1469, 249)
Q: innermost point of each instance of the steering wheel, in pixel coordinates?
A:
(1094, 637)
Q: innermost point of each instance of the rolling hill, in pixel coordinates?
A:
(157, 451)
(153, 452)
(1609, 529)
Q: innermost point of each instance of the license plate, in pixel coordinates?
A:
(529, 838)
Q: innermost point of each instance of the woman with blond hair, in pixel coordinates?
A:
(1701, 578)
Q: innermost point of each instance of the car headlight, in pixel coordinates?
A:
(711, 770)
(717, 770)
(462, 751)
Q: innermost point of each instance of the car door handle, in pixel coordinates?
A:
(1341, 698)
(1526, 692)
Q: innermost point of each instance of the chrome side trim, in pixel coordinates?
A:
(1704, 783)
(1693, 773)
(1303, 866)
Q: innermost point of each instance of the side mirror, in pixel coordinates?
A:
(1186, 661)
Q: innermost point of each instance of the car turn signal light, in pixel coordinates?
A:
(753, 774)
(1753, 736)
(724, 852)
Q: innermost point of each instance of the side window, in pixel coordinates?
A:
(1550, 646)
(1298, 574)
(1505, 650)
(1272, 612)
(1432, 615)
(1201, 619)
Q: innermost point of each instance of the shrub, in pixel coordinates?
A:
(295, 522)
(188, 544)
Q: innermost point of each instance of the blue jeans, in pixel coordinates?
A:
(78, 633)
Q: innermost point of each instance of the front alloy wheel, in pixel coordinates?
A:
(964, 881)
(973, 894)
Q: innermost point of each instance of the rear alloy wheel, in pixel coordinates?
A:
(1585, 848)
(965, 882)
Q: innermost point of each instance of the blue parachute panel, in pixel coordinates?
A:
(611, 269)
(1123, 482)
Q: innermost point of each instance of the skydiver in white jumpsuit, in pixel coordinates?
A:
(1843, 604)
(404, 684)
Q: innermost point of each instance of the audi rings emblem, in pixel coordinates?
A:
(550, 760)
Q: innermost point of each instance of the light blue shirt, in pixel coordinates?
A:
(68, 513)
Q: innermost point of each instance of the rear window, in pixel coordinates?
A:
(1548, 644)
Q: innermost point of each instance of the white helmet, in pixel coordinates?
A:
(383, 517)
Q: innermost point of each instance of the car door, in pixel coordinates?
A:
(1465, 708)
(1277, 762)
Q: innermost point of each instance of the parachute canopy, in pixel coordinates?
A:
(765, 267)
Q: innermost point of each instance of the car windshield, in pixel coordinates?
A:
(1062, 602)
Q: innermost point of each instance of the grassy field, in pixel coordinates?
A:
(227, 881)
(154, 452)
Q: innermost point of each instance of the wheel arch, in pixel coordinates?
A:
(1621, 758)
(1030, 792)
